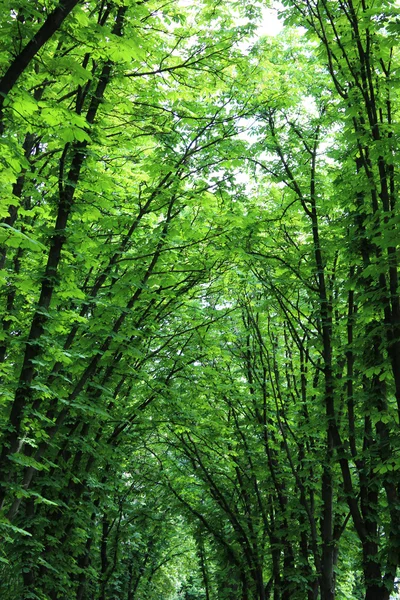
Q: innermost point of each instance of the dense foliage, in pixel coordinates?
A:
(200, 310)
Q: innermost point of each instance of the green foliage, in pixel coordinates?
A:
(200, 313)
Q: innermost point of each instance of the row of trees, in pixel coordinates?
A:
(200, 377)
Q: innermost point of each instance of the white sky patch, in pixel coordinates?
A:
(270, 24)
(310, 105)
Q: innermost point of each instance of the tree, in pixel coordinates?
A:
(104, 250)
(200, 313)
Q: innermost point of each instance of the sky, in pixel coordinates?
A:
(270, 24)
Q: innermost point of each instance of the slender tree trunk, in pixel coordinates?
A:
(276, 567)
(203, 565)
(104, 557)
